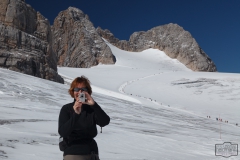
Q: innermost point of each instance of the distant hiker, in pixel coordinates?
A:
(217, 119)
(77, 122)
(207, 116)
(236, 124)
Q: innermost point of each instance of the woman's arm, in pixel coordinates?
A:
(66, 122)
(101, 118)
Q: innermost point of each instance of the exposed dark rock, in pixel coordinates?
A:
(76, 41)
(172, 39)
(29, 45)
(26, 41)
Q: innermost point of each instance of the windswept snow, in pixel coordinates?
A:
(153, 76)
(158, 110)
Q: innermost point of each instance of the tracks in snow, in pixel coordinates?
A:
(123, 86)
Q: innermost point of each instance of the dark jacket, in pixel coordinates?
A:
(80, 129)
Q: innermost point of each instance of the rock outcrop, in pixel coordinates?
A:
(172, 39)
(29, 45)
(76, 42)
(26, 41)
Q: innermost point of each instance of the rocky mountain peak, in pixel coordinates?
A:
(26, 41)
(76, 41)
(76, 13)
(170, 38)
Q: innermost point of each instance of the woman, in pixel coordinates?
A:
(77, 122)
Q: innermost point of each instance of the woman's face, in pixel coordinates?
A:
(80, 87)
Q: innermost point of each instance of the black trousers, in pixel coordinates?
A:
(77, 157)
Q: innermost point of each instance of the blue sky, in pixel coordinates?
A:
(215, 24)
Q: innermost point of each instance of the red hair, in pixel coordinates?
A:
(78, 80)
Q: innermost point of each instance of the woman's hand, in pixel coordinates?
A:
(77, 106)
(89, 99)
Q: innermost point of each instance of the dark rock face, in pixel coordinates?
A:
(172, 39)
(29, 45)
(76, 42)
(26, 41)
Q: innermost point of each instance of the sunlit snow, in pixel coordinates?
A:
(158, 110)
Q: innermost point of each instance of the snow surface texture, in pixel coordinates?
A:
(158, 110)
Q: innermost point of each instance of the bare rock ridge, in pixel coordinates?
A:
(28, 44)
(170, 38)
(26, 41)
(76, 41)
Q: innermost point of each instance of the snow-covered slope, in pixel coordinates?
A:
(158, 110)
(154, 76)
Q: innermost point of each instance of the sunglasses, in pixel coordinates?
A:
(79, 89)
